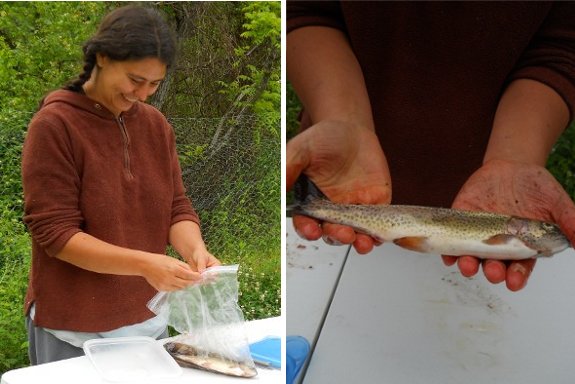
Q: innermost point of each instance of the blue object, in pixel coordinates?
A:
(297, 350)
(267, 352)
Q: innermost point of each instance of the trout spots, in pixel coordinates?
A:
(445, 231)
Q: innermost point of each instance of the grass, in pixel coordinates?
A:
(260, 287)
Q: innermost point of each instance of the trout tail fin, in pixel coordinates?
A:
(304, 191)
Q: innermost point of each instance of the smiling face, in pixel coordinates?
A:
(118, 85)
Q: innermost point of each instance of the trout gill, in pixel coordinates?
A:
(438, 230)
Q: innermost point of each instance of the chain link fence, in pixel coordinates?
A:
(231, 169)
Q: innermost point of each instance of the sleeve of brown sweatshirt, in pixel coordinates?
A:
(550, 57)
(51, 184)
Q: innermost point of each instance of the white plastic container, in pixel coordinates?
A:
(129, 359)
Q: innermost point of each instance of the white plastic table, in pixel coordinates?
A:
(312, 274)
(81, 370)
(402, 317)
(313, 270)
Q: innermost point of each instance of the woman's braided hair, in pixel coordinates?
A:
(128, 33)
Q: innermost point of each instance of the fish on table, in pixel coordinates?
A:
(191, 357)
(437, 230)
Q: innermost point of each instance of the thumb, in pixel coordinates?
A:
(201, 264)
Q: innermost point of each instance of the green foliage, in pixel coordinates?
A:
(293, 109)
(247, 236)
(260, 289)
(228, 65)
(263, 23)
(14, 248)
(206, 55)
(13, 282)
(561, 161)
(262, 37)
(40, 47)
(189, 153)
(257, 86)
(11, 199)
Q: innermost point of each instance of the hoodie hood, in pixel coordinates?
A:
(81, 101)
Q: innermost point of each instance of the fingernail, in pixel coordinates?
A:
(523, 271)
(330, 240)
(519, 268)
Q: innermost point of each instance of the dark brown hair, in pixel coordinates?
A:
(128, 33)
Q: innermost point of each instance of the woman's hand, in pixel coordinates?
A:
(517, 189)
(347, 164)
(201, 259)
(166, 273)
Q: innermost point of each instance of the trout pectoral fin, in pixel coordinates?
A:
(413, 243)
(499, 239)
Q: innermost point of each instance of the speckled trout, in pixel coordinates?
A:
(438, 230)
(188, 356)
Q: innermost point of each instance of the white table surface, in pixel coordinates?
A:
(403, 317)
(312, 274)
(81, 370)
(313, 270)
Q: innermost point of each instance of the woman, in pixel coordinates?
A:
(104, 195)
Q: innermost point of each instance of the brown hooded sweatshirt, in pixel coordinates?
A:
(117, 179)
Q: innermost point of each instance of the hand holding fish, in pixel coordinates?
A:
(347, 163)
(529, 119)
(517, 189)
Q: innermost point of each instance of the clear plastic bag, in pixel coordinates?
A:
(210, 323)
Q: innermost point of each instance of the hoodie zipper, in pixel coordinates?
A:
(126, 142)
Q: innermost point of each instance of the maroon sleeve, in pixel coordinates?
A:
(316, 13)
(51, 184)
(550, 57)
